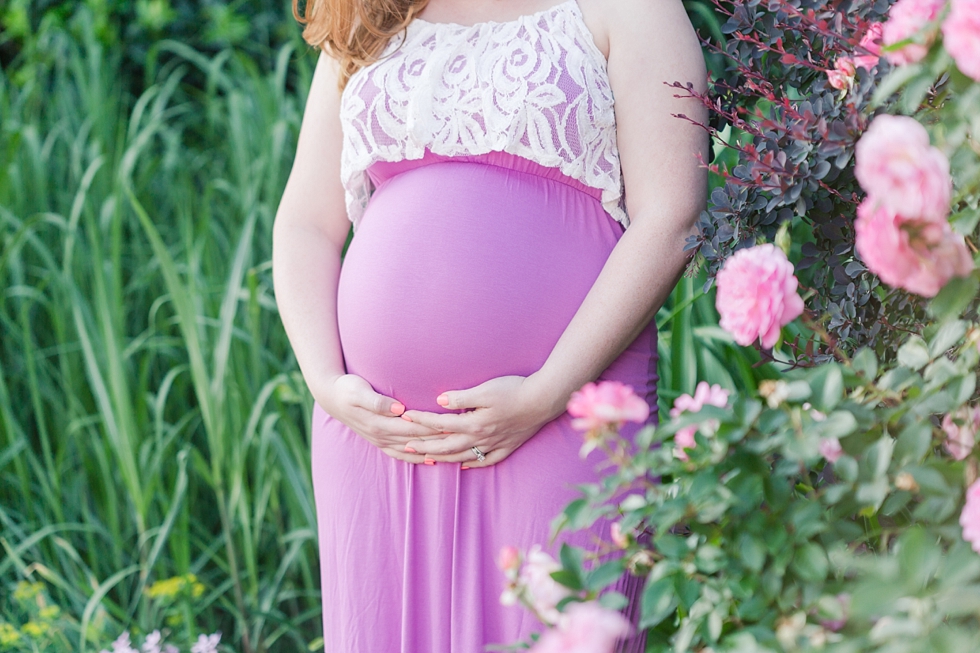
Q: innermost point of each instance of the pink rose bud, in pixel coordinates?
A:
(618, 537)
(894, 162)
(830, 449)
(842, 75)
(704, 395)
(757, 294)
(509, 559)
(961, 431)
(608, 403)
(961, 36)
(970, 517)
(919, 256)
(907, 20)
(584, 628)
(869, 49)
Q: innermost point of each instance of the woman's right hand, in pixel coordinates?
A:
(374, 417)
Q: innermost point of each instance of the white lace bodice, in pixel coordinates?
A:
(535, 87)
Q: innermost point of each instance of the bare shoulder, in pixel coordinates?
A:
(656, 32)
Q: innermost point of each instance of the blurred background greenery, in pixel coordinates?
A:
(154, 429)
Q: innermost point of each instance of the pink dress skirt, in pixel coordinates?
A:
(461, 270)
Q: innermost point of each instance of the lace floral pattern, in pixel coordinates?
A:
(535, 87)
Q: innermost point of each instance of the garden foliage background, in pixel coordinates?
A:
(153, 425)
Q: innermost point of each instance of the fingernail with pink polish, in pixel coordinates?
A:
(442, 400)
(429, 462)
(406, 418)
(398, 408)
(410, 450)
(465, 467)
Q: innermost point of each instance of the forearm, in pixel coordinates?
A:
(635, 282)
(306, 269)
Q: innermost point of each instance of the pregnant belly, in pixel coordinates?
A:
(462, 272)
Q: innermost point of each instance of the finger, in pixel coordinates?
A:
(462, 399)
(490, 458)
(365, 397)
(440, 422)
(401, 455)
(399, 428)
(444, 446)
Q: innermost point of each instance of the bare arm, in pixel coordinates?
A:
(309, 233)
(650, 43)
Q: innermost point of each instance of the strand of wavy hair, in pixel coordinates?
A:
(354, 31)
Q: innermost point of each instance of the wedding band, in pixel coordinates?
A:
(479, 454)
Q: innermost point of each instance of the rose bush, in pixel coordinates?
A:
(836, 508)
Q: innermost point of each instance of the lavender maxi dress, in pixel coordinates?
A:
(483, 179)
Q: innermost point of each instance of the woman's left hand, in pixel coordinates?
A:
(501, 415)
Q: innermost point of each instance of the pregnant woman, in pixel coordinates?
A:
(515, 230)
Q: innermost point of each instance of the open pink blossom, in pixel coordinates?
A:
(704, 395)
(970, 517)
(584, 628)
(757, 294)
(961, 431)
(619, 538)
(907, 20)
(961, 36)
(206, 643)
(545, 592)
(919, 256)
(607, 403)
(869, 48)
(830, 449)
(894, 162)
(841, 76)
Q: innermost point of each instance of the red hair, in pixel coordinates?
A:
(354, 31)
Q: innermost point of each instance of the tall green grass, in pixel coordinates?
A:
(153, 423)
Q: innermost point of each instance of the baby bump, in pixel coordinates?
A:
(461, 272)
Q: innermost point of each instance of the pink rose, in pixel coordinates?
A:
(894, 161)
(597, 406)
(869, 48)
(961, 431)
(842, 76)
(919, 256)
(757, 294)
(961, 36)
(545, 592)
(830, 449)
(618, 537)
(970, 517)
(906, 20)
(704, 395)
(584, 628)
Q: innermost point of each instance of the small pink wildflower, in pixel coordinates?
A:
(619, 538)
(830, 449)
(907, 20)
(961, 431)
(509, 559)
(961, 36)
(153, 642)
(757, 294)
(584, 628)
(704, 395)
(545, 592)
(597, 408)
(970, 517)
(206, 643)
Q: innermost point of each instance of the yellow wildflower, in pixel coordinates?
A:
(50, 612)
(8, 635)
(27, 591)
(34, 629)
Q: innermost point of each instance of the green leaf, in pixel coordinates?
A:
(604, 575)
(865, 363)
(827, 384)
(953, 299)
(913, 443)
(568, 579)
(659, 601)
(671, 546)
(895, 80)
(948, 335)
(709, 558)
(914, 354)
(846, 469)
(752, 552)
(838, 424)
(810, 563)
(613, 601)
